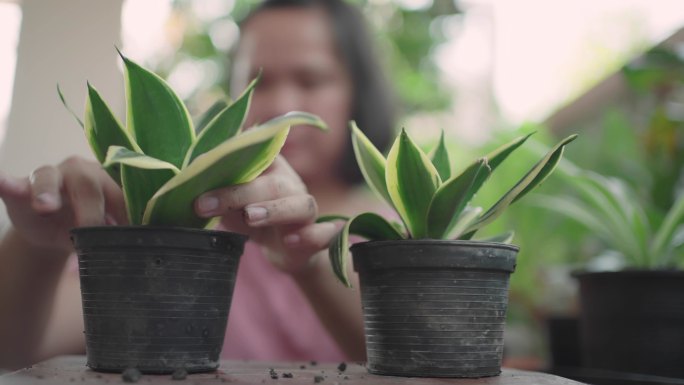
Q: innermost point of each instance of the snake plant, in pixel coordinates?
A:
(430, 199)
(160, 162)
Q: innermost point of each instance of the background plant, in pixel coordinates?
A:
(431, 201)
(612, 210)
(161, 163)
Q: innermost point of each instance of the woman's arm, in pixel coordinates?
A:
(277, 212)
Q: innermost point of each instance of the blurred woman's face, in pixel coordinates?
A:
(301, 71)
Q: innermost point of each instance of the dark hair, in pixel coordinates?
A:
(372, 100)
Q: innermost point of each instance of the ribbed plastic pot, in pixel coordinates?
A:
(633, 321)
(155, 298)
(434, 308)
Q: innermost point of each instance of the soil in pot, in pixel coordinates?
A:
(434, 308)
(156, 299)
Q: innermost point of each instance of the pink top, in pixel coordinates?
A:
(270, 318)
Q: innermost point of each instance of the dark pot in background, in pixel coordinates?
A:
(154, 298)
(434, 308)
(633, 321)
(563, 338)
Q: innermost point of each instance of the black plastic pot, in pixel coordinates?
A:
(156, 299)
(434, 308)
(633, 321)
(564, 346)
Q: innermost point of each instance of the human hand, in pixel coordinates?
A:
(46, 205)
(277, 212)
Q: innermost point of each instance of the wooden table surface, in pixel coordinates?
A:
(72, 370)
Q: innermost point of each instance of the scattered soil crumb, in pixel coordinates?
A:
(346, 377)
(302, 367)
(287, 375)
(318, 379)
(40, 376)
(313, 363)
(180, 374)
(342, 367)
(131, 375)
(273, 373)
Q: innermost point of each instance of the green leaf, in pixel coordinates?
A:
(506, 237)
(139, 186)
(411, 182)
(496, 157)
(238, 160)
(225, 124)
(533, 178)
(103, 129)
(157, 117)
(580, 211)
(122, 155)
(662, 241)
(440, 159)
(209, 115)
(68, 108)
(453, 196)
(467, 217)
(331, 218)
(370, 161)
(368, 225)
(611, 199)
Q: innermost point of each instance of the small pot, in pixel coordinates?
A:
(155, 298)
(633, 321)
(434, 308)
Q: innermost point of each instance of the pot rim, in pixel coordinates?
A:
(630, 272)
(440, 242)
(145, 228)
(434, 254)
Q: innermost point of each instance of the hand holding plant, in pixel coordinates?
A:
(159, 161)
(76, 192)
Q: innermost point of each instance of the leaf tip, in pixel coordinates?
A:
(118, 51)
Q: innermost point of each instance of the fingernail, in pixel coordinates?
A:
(255, 213)
(47, 199)
(207, 204)
(292, 239)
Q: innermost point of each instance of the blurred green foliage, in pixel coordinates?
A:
(638, 139)
(405, 39)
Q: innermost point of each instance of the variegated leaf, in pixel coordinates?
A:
(453, 196)
(370, 161)
(440, 159)
(411, 183)
(238, 160)
(533, 178)
(157, 118)
(367, 225)
(224, 125)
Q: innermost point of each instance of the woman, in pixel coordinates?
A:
(287, 305)
(314, 56)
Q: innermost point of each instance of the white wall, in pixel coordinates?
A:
(65, 42)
